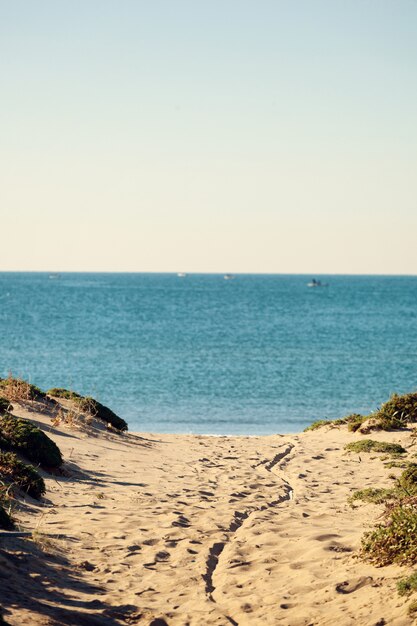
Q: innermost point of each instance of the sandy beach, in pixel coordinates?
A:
(192, 530)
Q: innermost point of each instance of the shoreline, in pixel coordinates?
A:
(200, 529)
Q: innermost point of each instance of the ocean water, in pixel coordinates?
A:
(256, 354)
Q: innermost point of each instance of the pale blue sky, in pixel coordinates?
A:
(233, 135)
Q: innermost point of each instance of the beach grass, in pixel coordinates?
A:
(395, 413)
(89, 405)
(370, 445)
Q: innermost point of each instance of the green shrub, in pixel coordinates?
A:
(401, 464)
(353, 422)
(369, 445)
(24, 437)
(397, 411)
(407, 482)
(89, 405)
(394, 541)
(107, 415)
(317, 424)
(25, 477)
(372, 494)
(6, 522)
(405, 586)
(60, 392)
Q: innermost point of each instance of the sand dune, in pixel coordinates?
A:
(162, 529)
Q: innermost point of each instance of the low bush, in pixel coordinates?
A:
(369, 445)
(20, 390)
(23, 476)
(398, 411)
(401, 464)
(354, 421)
(91, 406)
(24, 437)
(408, 585)
(105, 414)
(372, 494)
(60, 392)
(407, 482)
(318, 424)
(393, 541)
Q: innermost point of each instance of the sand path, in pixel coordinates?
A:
(160, 529)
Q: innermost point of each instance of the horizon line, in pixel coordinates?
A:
(204, 273)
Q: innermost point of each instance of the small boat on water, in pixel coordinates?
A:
(316, 283)
(181, 274)
(228, 277)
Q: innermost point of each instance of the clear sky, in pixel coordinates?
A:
(209, 135)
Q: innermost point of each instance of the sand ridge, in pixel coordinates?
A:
(186, 529)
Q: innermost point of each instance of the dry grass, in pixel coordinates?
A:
(19, 390)
(72, 417)
(45, 543)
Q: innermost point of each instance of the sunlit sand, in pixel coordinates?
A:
(200, 530)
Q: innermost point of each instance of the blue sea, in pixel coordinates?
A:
(255, 354)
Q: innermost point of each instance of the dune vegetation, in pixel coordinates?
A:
(24, 448)
(397, 412)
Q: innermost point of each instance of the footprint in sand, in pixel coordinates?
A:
(349, 586)
(182, 522)
(325, 537)
(134, 547)
(150, 542)
(162, 556)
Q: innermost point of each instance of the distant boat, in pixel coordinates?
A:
(228, 277)
(316, 283)
(181, 274)
(54, 276)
